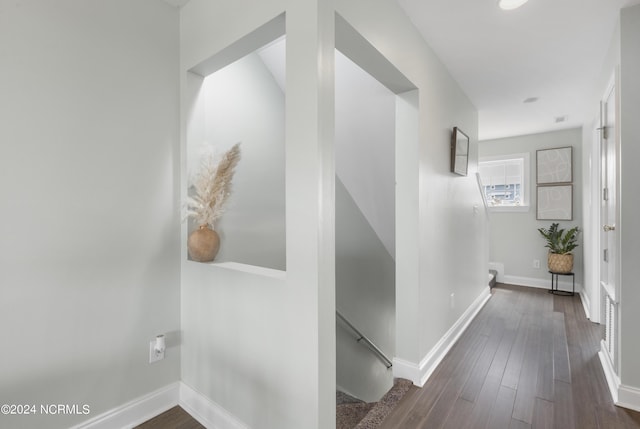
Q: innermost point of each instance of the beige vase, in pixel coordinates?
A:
(203, 244)
(560, 263)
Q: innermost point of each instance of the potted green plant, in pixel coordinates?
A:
(560, 244)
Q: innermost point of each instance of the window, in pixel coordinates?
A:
(505, 181)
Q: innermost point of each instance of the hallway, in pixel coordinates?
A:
(528, 360)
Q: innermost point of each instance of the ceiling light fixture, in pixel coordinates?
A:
(510, 4)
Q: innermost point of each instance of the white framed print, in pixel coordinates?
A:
(554, 165)
(554, 202)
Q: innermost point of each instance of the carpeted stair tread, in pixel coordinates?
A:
(382, 408)
(350, 413)
(345, 398)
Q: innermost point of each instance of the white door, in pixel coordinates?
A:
(608, 232)
(608, 193)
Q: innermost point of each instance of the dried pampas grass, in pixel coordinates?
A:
(212, 187)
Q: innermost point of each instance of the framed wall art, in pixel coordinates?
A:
(459, 152)
(554, 202)
(554, 165)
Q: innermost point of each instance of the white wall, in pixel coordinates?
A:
(89, 255)
(365, 228)
(365, 295)
(629, 204)
(434, 207)
(365, 146)
(515, 240)
(591, 181)
(263, 347)
(622, 66)
(243, 103)
(278, 360)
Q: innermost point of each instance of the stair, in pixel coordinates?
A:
(352, 413)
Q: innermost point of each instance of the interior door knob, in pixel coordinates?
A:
(608, 228)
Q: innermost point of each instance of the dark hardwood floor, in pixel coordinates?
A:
(528, 360)
(175, 418)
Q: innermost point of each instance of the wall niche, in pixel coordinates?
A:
(244, 102)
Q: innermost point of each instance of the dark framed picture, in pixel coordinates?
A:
(459, 152)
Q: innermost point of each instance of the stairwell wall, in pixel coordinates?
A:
(438, 229)
(287, 378)
(365, 295)
(365, 228)
(261, 343)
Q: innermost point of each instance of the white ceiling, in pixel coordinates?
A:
(550, 49)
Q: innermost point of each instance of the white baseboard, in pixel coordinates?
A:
(420, 373)
(133, 413)
(586, 304)
(622, 395)
(407, 370)
(613, 381)
(207, 412)
(137, 411)
(628, 397)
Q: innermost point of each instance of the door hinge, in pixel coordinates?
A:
(604, 132)
(605, 255)
(605, 194)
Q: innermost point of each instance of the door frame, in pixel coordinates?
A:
(597, 171)
(592, 229)
(593, 240)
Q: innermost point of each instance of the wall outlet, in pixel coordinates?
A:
(154, 355)
(536, 263)
(452, 300)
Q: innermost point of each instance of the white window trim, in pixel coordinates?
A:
(526, 174)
